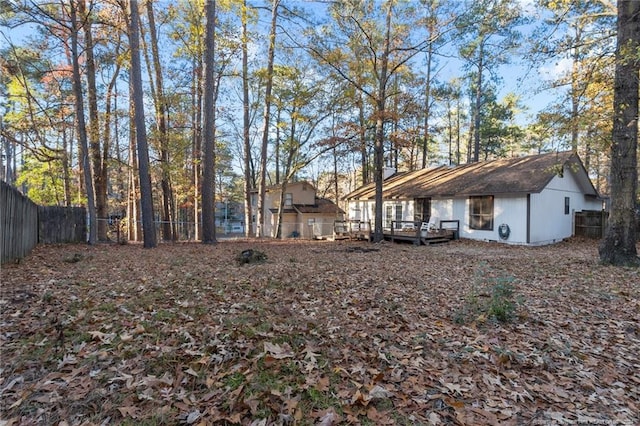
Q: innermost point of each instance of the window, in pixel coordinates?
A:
(566, 205)
(388, 217)
(422, 209)
(481, 213)
(288, 199)
(398, 217)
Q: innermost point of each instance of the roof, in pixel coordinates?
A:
(520, 175)
(278, 187)
(322, 205)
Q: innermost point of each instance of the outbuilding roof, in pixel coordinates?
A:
(520, 175)
(322, 205)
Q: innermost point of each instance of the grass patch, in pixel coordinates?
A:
(164, 315)
(234, 381)
(321, 400)
(108, 307)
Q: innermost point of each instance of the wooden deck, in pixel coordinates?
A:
(418, 237)
(352, 230)
(409, 231)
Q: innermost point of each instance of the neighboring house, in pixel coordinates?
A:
(229, 216)
(304, 214)
(526, 200)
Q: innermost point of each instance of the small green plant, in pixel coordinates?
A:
(47, 297)
(491, 298)
(234, 380)
(502, 306)
(321, 399)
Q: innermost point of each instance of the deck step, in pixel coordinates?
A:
(435, 240)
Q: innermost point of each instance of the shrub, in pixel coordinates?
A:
(490, 298)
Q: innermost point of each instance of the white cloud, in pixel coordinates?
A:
(528, 6)
(560, 68)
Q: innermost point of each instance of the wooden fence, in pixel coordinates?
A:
(23, 224)
(62, 224)
(18, 224)
(590, 223)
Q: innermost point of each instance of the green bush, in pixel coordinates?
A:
(491, 298)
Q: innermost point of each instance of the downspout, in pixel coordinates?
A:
(528, 218)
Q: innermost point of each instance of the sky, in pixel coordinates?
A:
(516, 77)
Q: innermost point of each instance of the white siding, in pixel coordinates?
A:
(549, 223)
(365, 210)
(442, 209)
(509, 210)
(407, 210)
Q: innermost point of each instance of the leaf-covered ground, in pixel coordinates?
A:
(319, 333)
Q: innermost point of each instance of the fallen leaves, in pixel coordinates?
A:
(321, 333)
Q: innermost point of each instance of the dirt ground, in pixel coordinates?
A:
(319, 333)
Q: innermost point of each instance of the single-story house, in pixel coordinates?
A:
(526, 200)
(304, 214)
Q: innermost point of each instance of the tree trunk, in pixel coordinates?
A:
(576, 83)
(619, 244)
(100, 184)
(364, 158)
(111, 88)
(197, 147)
(427, 105)
(287, 172)
(277, 147)
(458, 130)
(66, 175)
(450, 132)
(281, 206)
(80, 122)
(161, 110)
(133, 200)
(208, 166)
(336, 186)
(245, 125)
(265, 130)
(378, 153)
(148, 227)
(478, 107)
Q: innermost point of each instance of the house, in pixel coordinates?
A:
(304, 214)
(526, 200)
(229, 216)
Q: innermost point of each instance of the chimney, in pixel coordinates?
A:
(388, 171)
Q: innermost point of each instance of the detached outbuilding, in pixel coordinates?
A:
(304, 215)
(525, 200)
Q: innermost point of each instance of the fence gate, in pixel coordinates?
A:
(590, 223)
